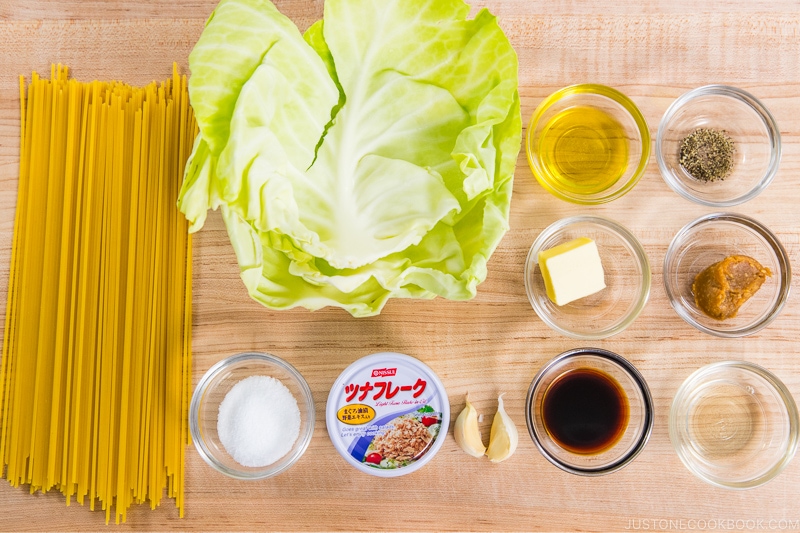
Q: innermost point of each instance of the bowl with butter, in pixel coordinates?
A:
(587, 277)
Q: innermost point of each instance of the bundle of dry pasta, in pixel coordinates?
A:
(95, 376)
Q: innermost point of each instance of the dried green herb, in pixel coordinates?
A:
(707, 154)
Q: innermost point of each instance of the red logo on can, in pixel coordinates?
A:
(383, 372)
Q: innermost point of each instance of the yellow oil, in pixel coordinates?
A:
(584, 149)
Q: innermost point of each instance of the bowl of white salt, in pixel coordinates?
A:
(251, 416)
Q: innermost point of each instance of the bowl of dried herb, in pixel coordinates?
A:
(718, 146)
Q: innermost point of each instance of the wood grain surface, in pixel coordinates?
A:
(653, 52)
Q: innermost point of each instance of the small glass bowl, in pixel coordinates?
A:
(710, 239)
(631, 131)
(734, 424)
(627, 277)
(210, 392)
(757, 143)
(636, 432)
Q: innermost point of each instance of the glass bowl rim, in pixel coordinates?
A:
(628, 237)
(748, 99)
(618, 97)
(774, 244)
(202, 387)
(632, 372)
(699, 375)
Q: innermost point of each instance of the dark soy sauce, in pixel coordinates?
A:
(585, 411)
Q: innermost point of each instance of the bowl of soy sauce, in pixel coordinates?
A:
(589, 411)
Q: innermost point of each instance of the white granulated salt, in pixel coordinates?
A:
(258, 421)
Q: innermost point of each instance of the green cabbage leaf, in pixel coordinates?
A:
(370, 158)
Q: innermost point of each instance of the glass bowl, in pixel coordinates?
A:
(588, 144)
(710, 239)
(212, 389)
(757, 144)
(627, 278)
(585, 426)
(734, 424)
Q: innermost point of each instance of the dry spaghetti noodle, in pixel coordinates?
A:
(95, 373)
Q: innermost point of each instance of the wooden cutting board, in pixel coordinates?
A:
(653, 52)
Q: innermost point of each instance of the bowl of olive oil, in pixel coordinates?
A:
(588, 144)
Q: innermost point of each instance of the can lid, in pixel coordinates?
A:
(387, 414)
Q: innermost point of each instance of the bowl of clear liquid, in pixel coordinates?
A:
(734, 424)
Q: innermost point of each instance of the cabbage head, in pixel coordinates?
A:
(371, 157)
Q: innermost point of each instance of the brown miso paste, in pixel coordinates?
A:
(722, 288)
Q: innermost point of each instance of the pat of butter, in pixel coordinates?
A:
(572, 270)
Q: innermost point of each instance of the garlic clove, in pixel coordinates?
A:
(504, 437)
(466, 431)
